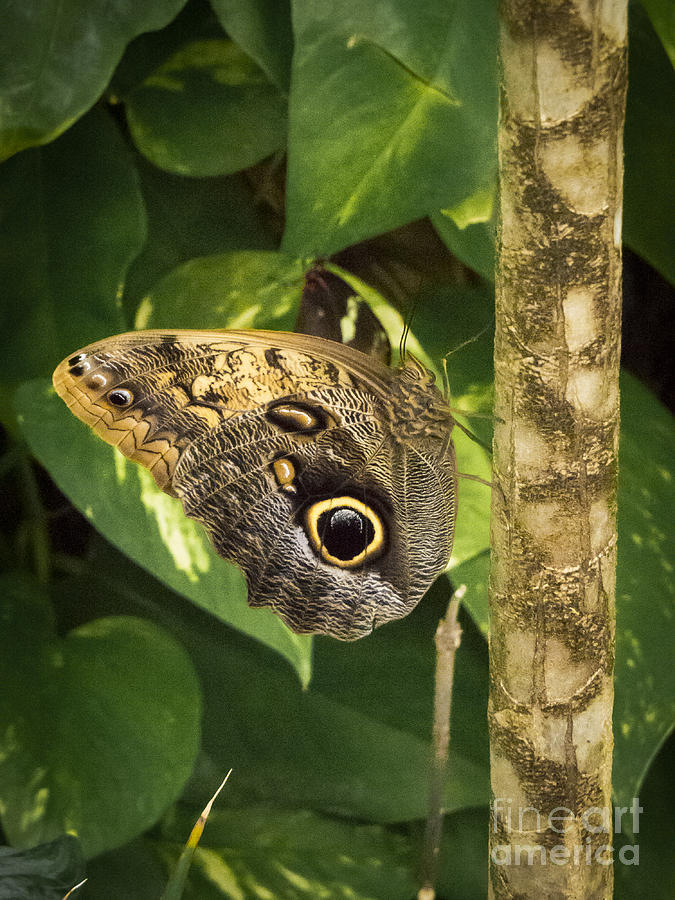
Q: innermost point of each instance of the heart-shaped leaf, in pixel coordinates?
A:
(208, 110)
(62, 58)
(100, 728)
(395, 100)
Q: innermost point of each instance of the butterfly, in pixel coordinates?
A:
(327, 476)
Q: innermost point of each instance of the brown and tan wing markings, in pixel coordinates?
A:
(155, 439)
(191, 477)
(129, 434)
(130, 431)
(257, 433)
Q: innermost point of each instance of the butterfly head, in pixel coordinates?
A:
(420, 409)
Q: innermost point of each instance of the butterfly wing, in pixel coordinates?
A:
(285, 448)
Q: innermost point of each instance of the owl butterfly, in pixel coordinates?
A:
(328, 477)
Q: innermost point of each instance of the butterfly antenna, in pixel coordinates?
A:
(470, 340)
(401, 343)
(477, 478)
(406, 332)
(473, 437)
(446, 383)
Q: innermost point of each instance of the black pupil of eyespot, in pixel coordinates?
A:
(345, 532)
(119, 398)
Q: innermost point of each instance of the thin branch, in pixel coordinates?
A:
(448, 638)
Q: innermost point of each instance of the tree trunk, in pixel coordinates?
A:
(557, 347)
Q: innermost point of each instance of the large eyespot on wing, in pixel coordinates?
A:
(254, 483)
(265, 443)
(345, 531)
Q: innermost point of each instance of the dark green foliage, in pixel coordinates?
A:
(45, 872)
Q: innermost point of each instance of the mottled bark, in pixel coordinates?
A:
(557, 347)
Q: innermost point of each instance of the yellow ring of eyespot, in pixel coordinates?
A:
(315, 512)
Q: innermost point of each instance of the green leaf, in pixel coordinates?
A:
(272, 852)
(324, 748)
(263, 29)
(662, 16)
(241, 289)
(208, 110)
(45, 872)
(73, 220)
(111, 730)
(263, 851)
(345, 744)
(267, 852)
(191, 217)
(121, 499)
(315, 751)
(468, 230)
(196, 21)
(62, 58)
(463, 867)
(649, 139)
(392, 100)
(472, 531)
(648, 871)
(644, 710)
(353, 675)
(475, 574)
(134, 872)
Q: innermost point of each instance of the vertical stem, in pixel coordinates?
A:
(448, 637)
(557, 345)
